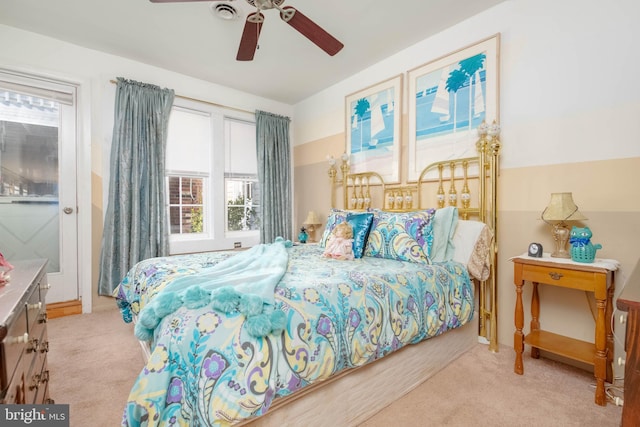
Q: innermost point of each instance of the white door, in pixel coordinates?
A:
(38, 207)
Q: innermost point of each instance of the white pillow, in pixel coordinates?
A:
(465, 238)
(472, 240)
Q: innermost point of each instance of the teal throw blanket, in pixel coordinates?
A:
(245, 282)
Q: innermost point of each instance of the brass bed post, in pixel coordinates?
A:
(489, 150)
(494, 147)
(481, 147)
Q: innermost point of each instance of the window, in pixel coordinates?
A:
(186, 208)
(242, 193)
(29, 145)
(213, 199)
(188, 165)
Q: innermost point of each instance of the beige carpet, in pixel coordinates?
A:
(94, 360)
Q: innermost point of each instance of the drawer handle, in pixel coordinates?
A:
(18, 340)
(35, 382)
(33, 345)
(555, 276)
(34, 306)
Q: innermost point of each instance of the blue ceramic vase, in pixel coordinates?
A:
(582, 250)
(303, 236)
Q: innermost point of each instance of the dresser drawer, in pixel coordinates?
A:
(32, 379)
(43, 287)
(16, 391)
(36, 360)
(42, 392)
(35, 306)
(13, 346)
(566, 278)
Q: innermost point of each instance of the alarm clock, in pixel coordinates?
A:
(535, 250)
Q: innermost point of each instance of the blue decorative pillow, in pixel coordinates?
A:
(361, 224)
(336, 216)
(401, 236)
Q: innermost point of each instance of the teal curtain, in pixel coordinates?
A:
(274, 176)
(135, 225)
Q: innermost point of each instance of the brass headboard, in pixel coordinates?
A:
(468, 183)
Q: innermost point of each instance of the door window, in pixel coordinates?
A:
(38, 177)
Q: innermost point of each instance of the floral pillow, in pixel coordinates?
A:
(401, 236)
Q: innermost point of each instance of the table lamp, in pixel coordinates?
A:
(561, 208)
(311, 223)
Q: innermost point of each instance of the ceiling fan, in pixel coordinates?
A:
(289, 14)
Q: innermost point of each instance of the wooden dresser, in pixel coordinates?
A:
(24, 376)
(629, 301)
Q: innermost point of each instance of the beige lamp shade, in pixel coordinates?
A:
(311, 222)
(312, 219)
(562, 208)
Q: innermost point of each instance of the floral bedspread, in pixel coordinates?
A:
(206, 370)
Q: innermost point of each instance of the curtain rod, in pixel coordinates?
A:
(203, 101)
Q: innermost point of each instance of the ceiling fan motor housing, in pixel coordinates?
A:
(265, 4)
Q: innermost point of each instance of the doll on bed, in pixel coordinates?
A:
(340, 243)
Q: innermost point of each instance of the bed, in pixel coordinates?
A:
(278, 333)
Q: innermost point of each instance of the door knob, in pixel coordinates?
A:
(68, 210)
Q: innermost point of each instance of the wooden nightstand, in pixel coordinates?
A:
(598, 278)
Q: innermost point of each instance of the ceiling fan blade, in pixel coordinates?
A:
(250, 35)
(310, 30)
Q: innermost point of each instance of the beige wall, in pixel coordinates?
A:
(566, 125)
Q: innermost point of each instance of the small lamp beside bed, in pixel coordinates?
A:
(561, 208)
(312, 223)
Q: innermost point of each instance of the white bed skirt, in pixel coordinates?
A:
(355, 396)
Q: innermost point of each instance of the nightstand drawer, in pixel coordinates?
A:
(566, 278)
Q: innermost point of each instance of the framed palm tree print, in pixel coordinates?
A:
(373, 129)
(448, 99)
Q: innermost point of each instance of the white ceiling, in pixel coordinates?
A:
(188, 38)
